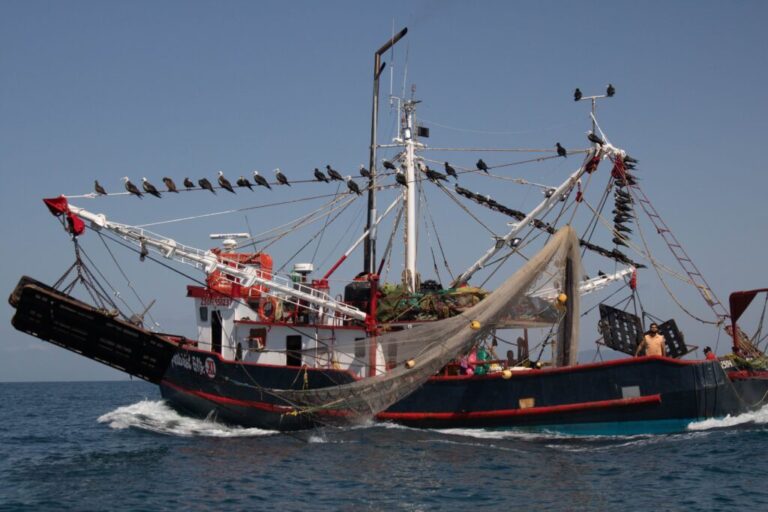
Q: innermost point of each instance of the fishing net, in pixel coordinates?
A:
(542, 292)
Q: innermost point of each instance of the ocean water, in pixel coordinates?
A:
(117, 446)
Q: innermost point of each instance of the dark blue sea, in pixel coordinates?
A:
(117, 446)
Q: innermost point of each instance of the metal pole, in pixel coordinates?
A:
(369, 258)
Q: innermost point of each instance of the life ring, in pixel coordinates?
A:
(269, 309)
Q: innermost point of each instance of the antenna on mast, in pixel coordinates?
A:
(610, 91)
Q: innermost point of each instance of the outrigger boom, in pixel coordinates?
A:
(209, 262)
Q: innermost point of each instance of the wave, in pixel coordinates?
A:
(758, 417)
(156, 416)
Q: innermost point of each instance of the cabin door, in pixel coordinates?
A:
(216, 331)
(293, 350)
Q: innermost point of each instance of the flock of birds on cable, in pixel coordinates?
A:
(281, 179)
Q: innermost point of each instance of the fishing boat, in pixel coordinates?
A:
(280, 351)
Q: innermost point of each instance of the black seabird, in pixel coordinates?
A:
(577, 94)
(630, 160)
(388, 165)
(242, 181)
(224, 182)
(594, 138)
(260, 180)
(400, 178)
(281, 179)
(619, 241)
(352, 186)
(319, 176)
(365, 173)
(98, 188)
(189, 183)
(130, 187)
(482, 165)
(435, 175)
(610, 91)
(333, 174)
(561, 151)
(622, 228)
(204, 183)
(451, 171)
(169, 184)
(149, 188)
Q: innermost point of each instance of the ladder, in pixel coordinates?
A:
(696, 278)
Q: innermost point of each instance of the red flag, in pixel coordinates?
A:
(59, 206)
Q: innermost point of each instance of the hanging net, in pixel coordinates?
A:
(543, 292)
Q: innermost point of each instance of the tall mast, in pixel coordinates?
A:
(411, 234)
(369, 258)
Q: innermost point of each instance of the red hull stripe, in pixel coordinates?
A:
(748, 375)
(282, 409)
(532, 411)
(263, 406)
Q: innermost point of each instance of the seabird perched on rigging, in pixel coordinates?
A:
(365, 173)
(352, 186)
(260, 180)
(224, 182)
(482, 166)
(622, 228)
(400, 178)
(204, 183)
(169, 184)
(130, 187)
(630, 160)
(561, 151)
(388, 165)
(149, 188)
(281, 179)
(451, 171)
(435, 175)
(620, 219)
(98, 188)
(189, 183)
(577, 94)
(242, 181)
(319, 176)
(619, 241)
(610, 91)
(594, 138)
(334, 174)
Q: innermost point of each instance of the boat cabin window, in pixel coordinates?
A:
(359, 348)
(391, 355)
(257, 339)
(203, 314)
(293, 350)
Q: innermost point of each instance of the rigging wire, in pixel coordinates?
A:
(329, 221)
(320, 241)
(451, 196)
(127, 280)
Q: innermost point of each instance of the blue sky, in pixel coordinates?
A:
(106, 89)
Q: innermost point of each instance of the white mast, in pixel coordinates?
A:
(411, 233)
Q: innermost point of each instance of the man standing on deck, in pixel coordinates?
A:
(653, 343)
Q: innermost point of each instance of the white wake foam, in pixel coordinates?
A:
(156, 416)
(758, 417)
